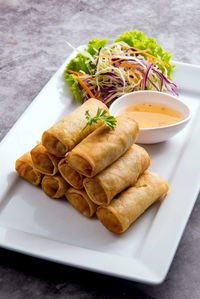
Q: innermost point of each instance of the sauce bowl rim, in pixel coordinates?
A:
(174, 98)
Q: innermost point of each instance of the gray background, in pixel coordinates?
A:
(33, 37)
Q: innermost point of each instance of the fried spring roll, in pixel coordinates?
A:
(118, 176)
(43, 161)
(81, 201)
(74, 178)
(25, 169)
(103, 146)
(68, 132)
(54, 186)
(130, 204)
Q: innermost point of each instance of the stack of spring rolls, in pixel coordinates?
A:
(100, 171)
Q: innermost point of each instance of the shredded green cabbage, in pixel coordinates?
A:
(139, 40)
(113, 70)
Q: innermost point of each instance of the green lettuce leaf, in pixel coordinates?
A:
(139, 40)
(96, 44)
(74, 87)
(133, 38)
(80, 63)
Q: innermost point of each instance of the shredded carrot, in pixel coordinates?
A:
(135, 78)
(136, 50)
(127, 65)
(128, 53)
(139, 81)
(123, 54)
(96, 94)
(149, 60)
(147, 54)
(75, 73)
(116, 61)
(79, 74)
(153, 57)
(85, 87)
(112, 56)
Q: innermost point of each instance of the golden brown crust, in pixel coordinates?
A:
(109, 220)
(74, 178)
(54, 186)
(81, 201)
(131, 203)
(43, 161)
(118, 176)
(25, 169)
(53, 144)
(68, 132)
(102, 147)
(96, 191)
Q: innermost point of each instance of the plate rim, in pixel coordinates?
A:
(148, 276)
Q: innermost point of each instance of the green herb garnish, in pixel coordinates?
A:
(108, 120)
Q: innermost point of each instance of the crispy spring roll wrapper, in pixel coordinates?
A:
(25, 169)
(54, 186)
(81, 201)
(130, 204)
(74, 178)
(43, 161)
(103, 146)
(118, 176)
(68, 132)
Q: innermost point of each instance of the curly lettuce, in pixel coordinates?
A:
(85, 60)
(139, 40)
(82, 63)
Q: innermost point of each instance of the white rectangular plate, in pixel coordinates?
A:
(33, 224)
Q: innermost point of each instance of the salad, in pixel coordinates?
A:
(132, 62)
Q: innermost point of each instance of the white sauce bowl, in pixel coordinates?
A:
(155, 134)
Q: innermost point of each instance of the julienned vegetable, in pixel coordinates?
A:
(133, 62)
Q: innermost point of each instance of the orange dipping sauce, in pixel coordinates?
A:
(149, 115)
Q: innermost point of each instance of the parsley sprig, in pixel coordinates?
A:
(109, 120)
